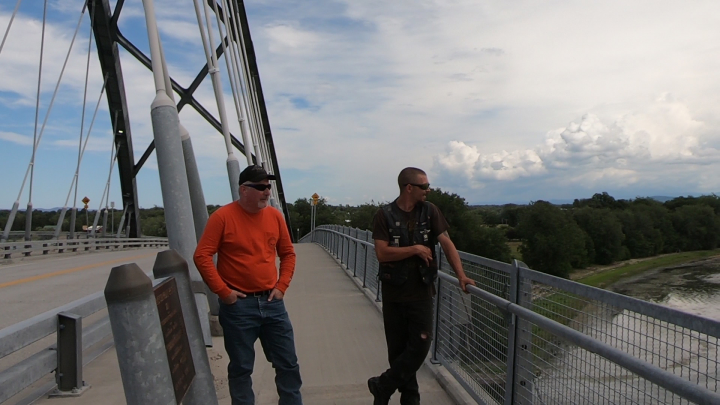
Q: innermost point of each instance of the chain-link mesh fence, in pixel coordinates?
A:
(659, 355)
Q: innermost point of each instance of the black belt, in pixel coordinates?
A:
(257, 293)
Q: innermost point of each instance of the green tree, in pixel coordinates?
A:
(300, 213)
(605, 233)
(362, 217)
(697, 226)
(552, 241)
(510, 214)
(467, 230)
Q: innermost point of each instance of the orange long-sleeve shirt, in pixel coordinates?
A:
(247, 245)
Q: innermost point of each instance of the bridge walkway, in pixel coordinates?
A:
(339, 338)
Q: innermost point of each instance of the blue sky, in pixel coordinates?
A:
(498, 101)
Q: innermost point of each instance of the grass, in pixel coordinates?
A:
(515, 250)
(605, 277)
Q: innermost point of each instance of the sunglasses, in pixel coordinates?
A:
(259, 187)
(421, 186)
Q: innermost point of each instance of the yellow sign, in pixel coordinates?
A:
(315, 198)
(85, 200)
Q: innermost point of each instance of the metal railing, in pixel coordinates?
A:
(525, 337)
(35, 367)
(44, 247)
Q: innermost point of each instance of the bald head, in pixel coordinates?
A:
(409, 175)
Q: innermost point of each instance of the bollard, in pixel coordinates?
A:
(68, 374)
(170, 263)
(139, 343)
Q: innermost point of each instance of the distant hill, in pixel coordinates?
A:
(661, 198)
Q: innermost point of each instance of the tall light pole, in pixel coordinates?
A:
(112, 218)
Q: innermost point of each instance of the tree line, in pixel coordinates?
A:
(555, 239)
(152, 220)
(467, 228)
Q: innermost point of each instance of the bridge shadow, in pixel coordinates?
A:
(339, 337)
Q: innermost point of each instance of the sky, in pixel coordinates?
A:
(499, 102)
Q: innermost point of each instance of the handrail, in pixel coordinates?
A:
(21, 334)
(523, 311)
(650, 372)
(15, 337)
(27, 248)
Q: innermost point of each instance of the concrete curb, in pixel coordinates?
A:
(452, 387)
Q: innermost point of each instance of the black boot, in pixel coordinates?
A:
(380, 393)
(409, 398)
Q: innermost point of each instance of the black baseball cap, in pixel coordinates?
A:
(253, 174)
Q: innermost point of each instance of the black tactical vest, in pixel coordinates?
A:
(415, 231)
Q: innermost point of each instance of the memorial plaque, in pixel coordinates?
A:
(182, 368)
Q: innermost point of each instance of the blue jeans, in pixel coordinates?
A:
(243, 323)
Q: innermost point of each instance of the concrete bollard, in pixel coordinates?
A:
(139, 343)
(170, 263)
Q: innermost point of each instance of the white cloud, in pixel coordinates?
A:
(478, 93)
(16, 138)
(635, 147)
(285, 38)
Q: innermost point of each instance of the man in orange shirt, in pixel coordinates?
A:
(247, 237)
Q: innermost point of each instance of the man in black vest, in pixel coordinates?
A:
(405, 233)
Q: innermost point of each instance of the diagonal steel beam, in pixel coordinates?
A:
(103, 24)
(186, 96)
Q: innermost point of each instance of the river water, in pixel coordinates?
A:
(692, 287)
(577, 377)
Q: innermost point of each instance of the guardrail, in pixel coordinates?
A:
(72, 339)
(44, 247)
(525, 337)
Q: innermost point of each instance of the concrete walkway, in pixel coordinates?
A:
(338, 334)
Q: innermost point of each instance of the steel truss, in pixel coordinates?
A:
(107, 39)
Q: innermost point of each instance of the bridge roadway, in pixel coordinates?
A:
(338, 331)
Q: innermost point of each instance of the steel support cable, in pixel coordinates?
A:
(250, 94)
(84, 145)
(255, 118)
(37, 106)
(11, 218)
(106, 191)
(209, 46)
(241, 59)
(7, 30)
(233, 75)
(58, 228)
(241, 55)
(248, 116)
(52, 100)
(82, 119)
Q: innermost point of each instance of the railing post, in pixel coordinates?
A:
(68, 374)
(139, 343)
(342, 248)
(511, 320)
(367, 259)
(357, 245)
(522, 391)
(436, 324)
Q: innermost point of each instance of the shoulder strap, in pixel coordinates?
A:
(387, 211)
